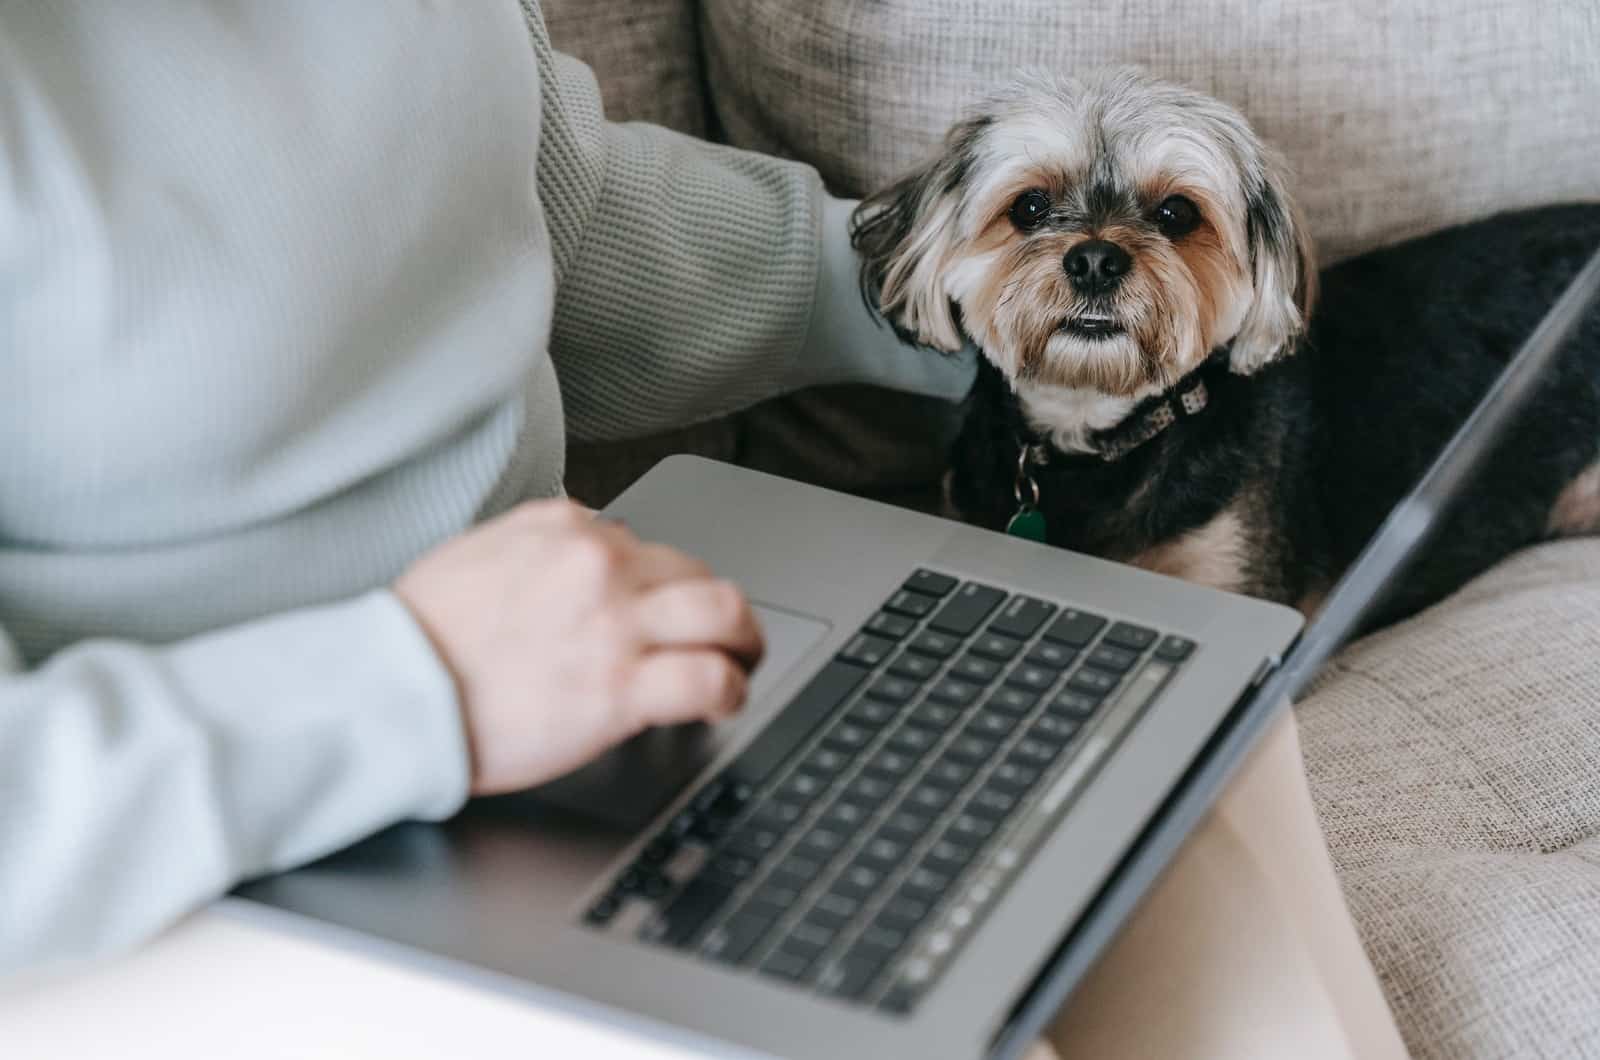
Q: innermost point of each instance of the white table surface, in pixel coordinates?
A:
(221, 986)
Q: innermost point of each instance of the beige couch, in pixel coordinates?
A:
(1455, 758)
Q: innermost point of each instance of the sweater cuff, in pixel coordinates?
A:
(425, 694)
(848, 343)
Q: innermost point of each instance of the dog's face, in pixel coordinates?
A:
(1102, 235)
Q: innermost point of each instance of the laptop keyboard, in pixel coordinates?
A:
(859, 840)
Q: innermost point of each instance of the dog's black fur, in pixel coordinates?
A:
(1319, 446)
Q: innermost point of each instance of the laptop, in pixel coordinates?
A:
(965, 760)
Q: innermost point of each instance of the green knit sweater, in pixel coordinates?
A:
(288, 294)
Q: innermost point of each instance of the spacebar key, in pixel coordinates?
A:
(831, 687)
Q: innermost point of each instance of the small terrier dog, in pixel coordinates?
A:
(1153, 388)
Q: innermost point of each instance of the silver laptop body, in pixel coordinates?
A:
(613, 894)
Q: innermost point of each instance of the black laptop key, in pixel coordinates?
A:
(1093, 682)
(776, 815)
(997, 646)
(803, 787)
(782, 964)
(848, 737)
(1013, 778)
(939, 716)
(904, 826)
(912, 740)
(795, 872)
(826, 762)
(991, 803)
(914, 667)
(992, 725)
(883, 853)
(834, 908)
(954, 691)
(820, 843)
(809, 938)
(890, 764)
(924, 885)
(866, 650)
(849, 976)
(1021, 617)
(930, 582)
(929, 798)
(733, 941)
(948, 858)
(820, 697)
(1174, 649)
(1033, 678)
(1075, 628)
(772, 900)
(731, 868)
(1035, 752)
(970, 829)
(868, 790)
(892, 689)
(857, 881)
(1052, 656)
(1110, 657)
(899, 998)
(971, 747)
(752, 843)
(844, 816)
(902, 913)
(892, 626)
(938, 645)
(1016, 701)
(1074, 705)
(975, 668)
(604, 909)
(1128, 635)
(966, 609)
(680, 923)
(872, 713)
(1052, 728)
(948, 774)
(910, 604)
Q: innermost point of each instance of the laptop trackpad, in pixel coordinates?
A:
(628, 786)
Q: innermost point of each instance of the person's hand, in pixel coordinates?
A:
(566, 635)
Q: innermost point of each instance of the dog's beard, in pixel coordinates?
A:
(1160, 322)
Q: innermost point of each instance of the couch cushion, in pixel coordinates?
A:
(645, 53)
(1455, 762)
(1400, 118)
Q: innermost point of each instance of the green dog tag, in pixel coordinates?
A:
(1027, 523)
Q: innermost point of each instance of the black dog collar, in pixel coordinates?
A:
(1188, 397)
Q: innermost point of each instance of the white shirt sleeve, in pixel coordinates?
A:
(138, 782)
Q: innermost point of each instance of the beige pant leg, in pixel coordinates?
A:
(1244, 948)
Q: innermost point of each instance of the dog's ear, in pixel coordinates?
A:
(1283, 270)
(905, 235)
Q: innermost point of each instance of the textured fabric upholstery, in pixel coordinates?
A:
(1399, 118)
(1455, 762)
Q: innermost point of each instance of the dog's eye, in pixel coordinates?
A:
(1030, 209)
(1177, 216)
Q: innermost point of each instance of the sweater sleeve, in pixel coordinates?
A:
(138, 782)
(694, 279)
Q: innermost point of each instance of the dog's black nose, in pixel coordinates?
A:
(1096, 266)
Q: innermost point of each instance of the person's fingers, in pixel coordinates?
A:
(555, 513)
(704, 612)
(673, 686)
(657, 565)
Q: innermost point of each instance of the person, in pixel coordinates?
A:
(301, 303)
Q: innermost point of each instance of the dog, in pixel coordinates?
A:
(1154, 387)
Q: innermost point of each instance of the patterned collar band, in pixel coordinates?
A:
(1188, 397)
